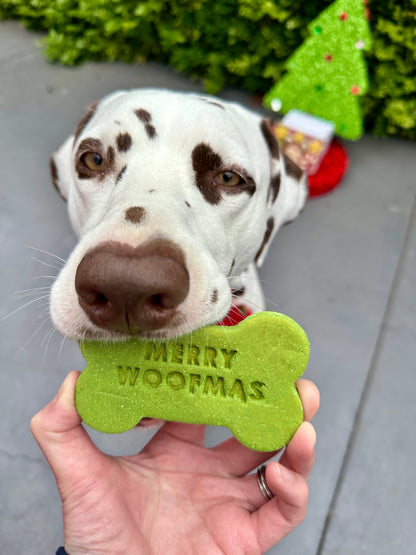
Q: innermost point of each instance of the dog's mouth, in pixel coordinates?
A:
(95, 333)
(116, 291)
(235, 315)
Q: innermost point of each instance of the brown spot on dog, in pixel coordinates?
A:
(90, 144)
(55, 177)
(85, 120)
(135, 214)
(214, 296)
(150, 130)
(213, 103)
(187, 204)
(123, 141)
(206, 163)
(266, 238)
(111, 156)
(274, 187)
(145, 117)
(232, 267)
(270, 139)
(121, 173)
(54, 172)
(287, 222)
(292, 169)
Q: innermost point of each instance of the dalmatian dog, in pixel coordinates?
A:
(175, 198)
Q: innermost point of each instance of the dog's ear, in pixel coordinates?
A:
(287, 192)
(60, 167)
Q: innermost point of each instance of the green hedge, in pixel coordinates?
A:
(241, 43)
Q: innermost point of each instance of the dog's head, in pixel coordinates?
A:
(173, 196)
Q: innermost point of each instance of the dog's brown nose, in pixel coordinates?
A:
(132, 289)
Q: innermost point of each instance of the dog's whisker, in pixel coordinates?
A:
(47, 264)
(265, 282)
(81, 341)
(47, 334)
(30, 292)
(244, 299)
(273, 304)
(44, 312)
(33, 289)
(34, 333)
(61, 347)
(47, 337)
(46, 252)
(22, 307)
(23, 296)
(44, 277)
(254, 303)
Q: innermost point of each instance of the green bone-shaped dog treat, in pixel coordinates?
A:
(241, 377)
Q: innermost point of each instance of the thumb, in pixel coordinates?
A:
(59, 432)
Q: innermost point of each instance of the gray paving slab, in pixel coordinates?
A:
(332, 270)
(375, 507)
(30, 522)
(333, 273)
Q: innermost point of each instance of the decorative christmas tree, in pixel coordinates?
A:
(328, 73)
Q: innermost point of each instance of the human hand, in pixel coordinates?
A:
(175, 496)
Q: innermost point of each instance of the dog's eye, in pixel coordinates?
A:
(93, 161)
(228, 179)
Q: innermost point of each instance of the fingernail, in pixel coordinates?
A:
(58, 395)
(312, 432)
(283, 473)
(277, 469)
(65, 394)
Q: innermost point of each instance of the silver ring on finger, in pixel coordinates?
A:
(261, 479)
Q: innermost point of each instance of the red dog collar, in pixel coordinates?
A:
(235, 315)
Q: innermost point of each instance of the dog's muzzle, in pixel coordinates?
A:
(130, 290)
